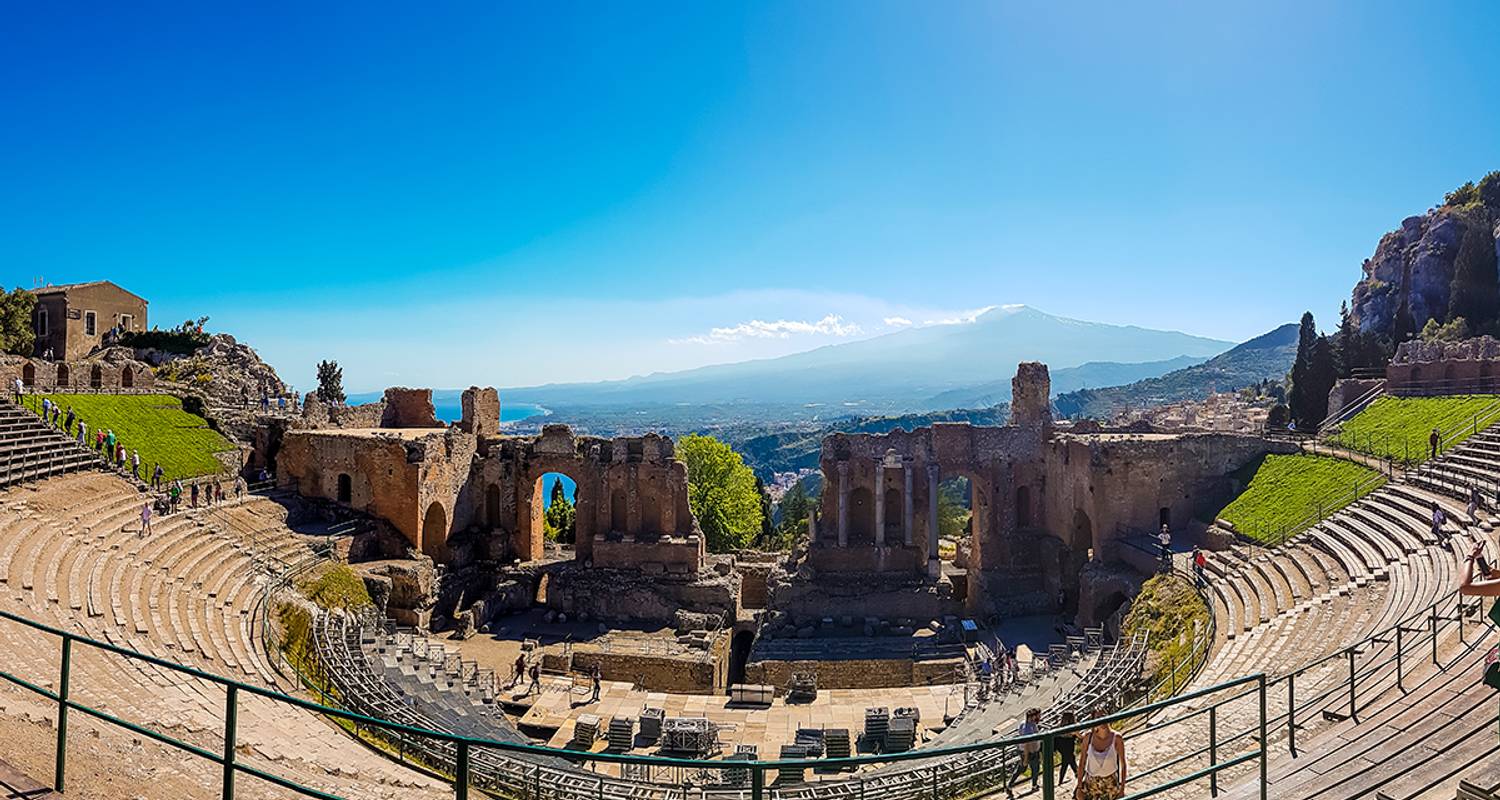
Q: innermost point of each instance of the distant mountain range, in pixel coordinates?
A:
(1269, 355)
(910, 370)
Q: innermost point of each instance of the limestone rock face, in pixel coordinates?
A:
(1415, 264)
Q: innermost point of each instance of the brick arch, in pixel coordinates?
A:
(435, 531)
(64, 376)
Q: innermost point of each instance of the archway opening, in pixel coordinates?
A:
(127, 378)
(955, 515)
(1083, 532)
(1023, 507)
(96, 377)
(739, 655)
(345, 488)
(492, 505)
(64, 376)
(553, 510)
(435, 531)
(861, 517)
(28, 374)
(1108, 612)
(1164, 517)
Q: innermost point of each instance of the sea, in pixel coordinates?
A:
(449, 410)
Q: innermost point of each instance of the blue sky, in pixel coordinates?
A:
(518, 193)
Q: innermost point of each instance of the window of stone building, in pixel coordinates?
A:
(127, 322)
(90, 324)
(41, 321)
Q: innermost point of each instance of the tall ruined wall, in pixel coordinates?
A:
(1098, 484)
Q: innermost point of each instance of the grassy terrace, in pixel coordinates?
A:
(1170, 611)
(1285, 491)
(1398, 427)
(156, 425)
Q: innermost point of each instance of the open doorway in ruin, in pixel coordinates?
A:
(435, 532)
(1108, 612)
(554, 510)
(739, 655)
(955, 516)
(861, 517)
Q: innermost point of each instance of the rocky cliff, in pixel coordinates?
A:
(1414, 267)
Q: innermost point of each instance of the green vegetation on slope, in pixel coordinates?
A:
(1170, 611)
(336, 586)
(721, 493)
(1399, 427)
(156, 425)
(1284, 491)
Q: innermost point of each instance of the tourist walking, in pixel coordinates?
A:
(194, 491)
(1473, 508)
(1164, 541)
(1438, 518)
(47, 410)
(19, 390)
(70, 418)
(594, 677)
(83, 433)
(519, 671)
(156, 475)
(1434, 441)
(176, 493)
(536, 679)
(1031, 752)
(1065, 746)
(239, 487)
(135, 464)
(1103, 764)
(218, 493)
(145, 518)
(1200, 563)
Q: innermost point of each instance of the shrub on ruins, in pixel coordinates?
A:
(796, 505)
(330, 382)
(184, 339)
(1172, 615)
(17, 334)
(721, 493)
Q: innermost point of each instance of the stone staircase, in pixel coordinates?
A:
(72, 555)
(31, 449)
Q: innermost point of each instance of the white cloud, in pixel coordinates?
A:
(830, 325)
(897, 322)
(962, 317)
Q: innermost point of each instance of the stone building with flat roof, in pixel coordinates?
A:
(73, 319)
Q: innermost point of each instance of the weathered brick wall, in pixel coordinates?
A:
(856, 673)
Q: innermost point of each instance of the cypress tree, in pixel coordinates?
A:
(1475, 291)
(1299, 401)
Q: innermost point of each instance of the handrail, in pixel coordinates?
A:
(1351, 408)
(465, 745)
(1281, 534)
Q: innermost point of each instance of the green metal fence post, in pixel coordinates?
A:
(758, 782)
(461, 772)
(62, 713)
(1434, 620)
(1399, 626)
(231, 713)
(1291, 713)
(1048, 791)
(1264, 749)
(1353, 707)
(1213, 749)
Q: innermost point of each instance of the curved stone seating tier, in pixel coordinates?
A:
(71, 555)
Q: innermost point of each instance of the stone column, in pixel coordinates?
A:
(932, 519)
(879, 502)
(812, 525)
(843, 504)
(910, 511)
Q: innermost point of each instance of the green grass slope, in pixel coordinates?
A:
(156, 425)
(1283, 491)
(1398, 427)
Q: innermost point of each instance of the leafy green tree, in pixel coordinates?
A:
(767, 524)
(721, 493)
(561, 517)
(17, 330)
(795, 508)
(1489, 189)
(1278, 416)
(1474, 293)
(953, 508)
(1300, 400)
(330, 382)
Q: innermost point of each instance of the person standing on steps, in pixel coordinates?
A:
(1438, 518)
(156, 475)
(71, 416)
(145, 518)
(1200, 563)
(1031, 752)
(1164, 539)
(1065, 747)
(1103, 776)
(135, 464)
(1434, 441)
(83, 433)
(19, 391)
(536, 680)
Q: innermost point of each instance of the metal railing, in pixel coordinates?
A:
(464, 749)
(1323, 508)
(1350, 408)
